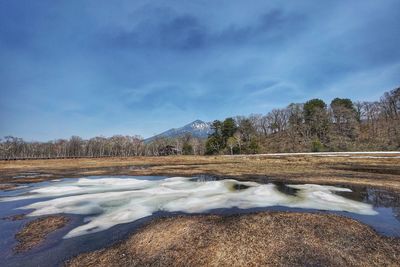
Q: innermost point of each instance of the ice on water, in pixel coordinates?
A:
(110, 201)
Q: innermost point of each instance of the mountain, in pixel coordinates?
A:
(197, 128)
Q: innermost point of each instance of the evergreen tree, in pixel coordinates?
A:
(228, 128)
(317, 119)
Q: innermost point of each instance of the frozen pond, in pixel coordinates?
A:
(105, 209)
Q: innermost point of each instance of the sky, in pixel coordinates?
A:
(100, 67)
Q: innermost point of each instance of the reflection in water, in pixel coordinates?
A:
(108, 202)
(379, 198)
(238, 187)
(282, 187)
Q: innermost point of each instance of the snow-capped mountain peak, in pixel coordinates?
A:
(197, 128)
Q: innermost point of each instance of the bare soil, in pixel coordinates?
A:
(263, 239)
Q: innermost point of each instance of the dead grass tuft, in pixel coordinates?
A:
(35, 232)
(16, 217)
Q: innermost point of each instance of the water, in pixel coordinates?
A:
(104, 210)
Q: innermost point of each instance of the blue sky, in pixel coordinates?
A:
(140, 67)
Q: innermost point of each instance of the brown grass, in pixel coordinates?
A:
(35, 232)
(267, 239)
(7, 186)
(382, 172)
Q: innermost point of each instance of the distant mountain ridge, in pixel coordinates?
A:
(197, 128)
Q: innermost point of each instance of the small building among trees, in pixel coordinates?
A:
(169, 150)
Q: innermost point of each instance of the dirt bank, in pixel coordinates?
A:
(269, 238)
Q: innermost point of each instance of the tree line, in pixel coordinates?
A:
(115, 146)
(342, 125)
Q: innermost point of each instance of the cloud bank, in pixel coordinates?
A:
(97, 67)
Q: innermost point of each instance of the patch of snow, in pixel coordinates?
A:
(111, 201)
(325, 154)
(375, 157)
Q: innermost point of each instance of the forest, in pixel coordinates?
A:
(313, 126)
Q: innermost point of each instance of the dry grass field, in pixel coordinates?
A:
(373, 170)
(263, 239)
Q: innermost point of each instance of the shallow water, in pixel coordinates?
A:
(107, 209)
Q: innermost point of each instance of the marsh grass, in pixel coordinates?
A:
(262, 239)
(377, 172)
(269, 238)
(35, 232)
